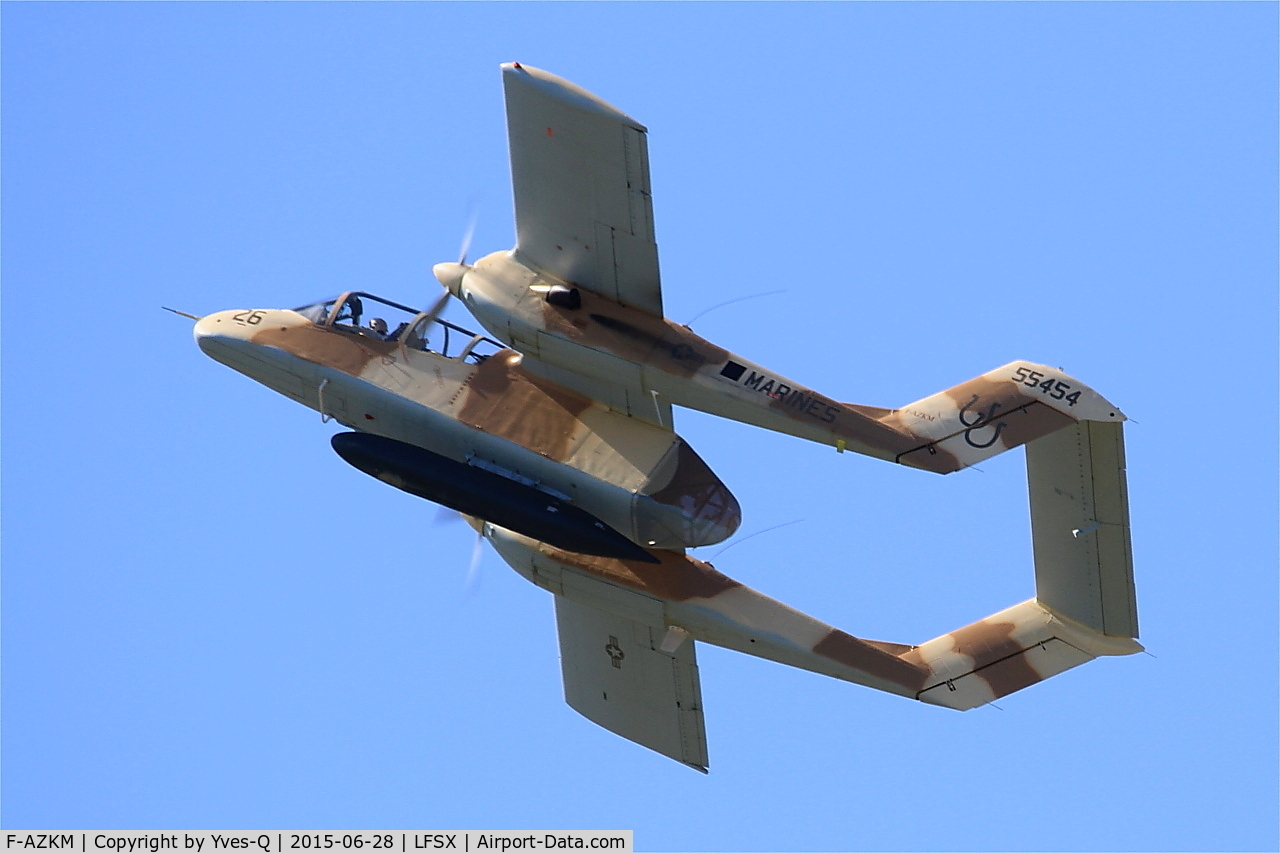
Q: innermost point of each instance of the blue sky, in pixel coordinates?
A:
(211, 621)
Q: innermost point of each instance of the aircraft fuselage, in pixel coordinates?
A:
(641, 480)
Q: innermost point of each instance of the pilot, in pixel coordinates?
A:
(356, 308)
(379, 327)
(415, 339)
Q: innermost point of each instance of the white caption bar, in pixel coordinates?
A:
(295, 841)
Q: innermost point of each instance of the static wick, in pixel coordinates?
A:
(183, 313)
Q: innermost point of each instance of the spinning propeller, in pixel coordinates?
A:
(450, 274)
(449, 516)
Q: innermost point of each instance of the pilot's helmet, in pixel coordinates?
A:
(379, 325)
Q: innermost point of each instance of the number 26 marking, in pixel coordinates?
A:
(1056, 390)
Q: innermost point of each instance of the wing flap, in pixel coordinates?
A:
(618, 675)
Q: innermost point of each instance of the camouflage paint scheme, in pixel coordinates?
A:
(973, 665)
(580, 291)
(642, 480)
(580, 405)
(609, 341)
(646, 618)
(584, 224)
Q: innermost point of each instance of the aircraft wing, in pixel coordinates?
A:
(580, 172)
(624, 394)
(617, 674)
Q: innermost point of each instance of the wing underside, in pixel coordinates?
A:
(580, 174)
(618, 675)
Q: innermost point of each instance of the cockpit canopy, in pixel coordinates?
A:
(364, 314)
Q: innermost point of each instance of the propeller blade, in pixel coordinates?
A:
(465, 248)
(473, 571)
(473, 214)
(450, 274)
(449, 516)
(433, 313)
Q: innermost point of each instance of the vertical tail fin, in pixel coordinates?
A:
(1080, 527)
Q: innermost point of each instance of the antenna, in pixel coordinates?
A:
(183, 314)
(689, 325)
(757, 533)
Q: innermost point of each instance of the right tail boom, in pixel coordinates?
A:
(944, 432)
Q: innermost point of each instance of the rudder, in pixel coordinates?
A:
(1080, 526)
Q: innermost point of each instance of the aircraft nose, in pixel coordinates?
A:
(205, 327)
(219, 330)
